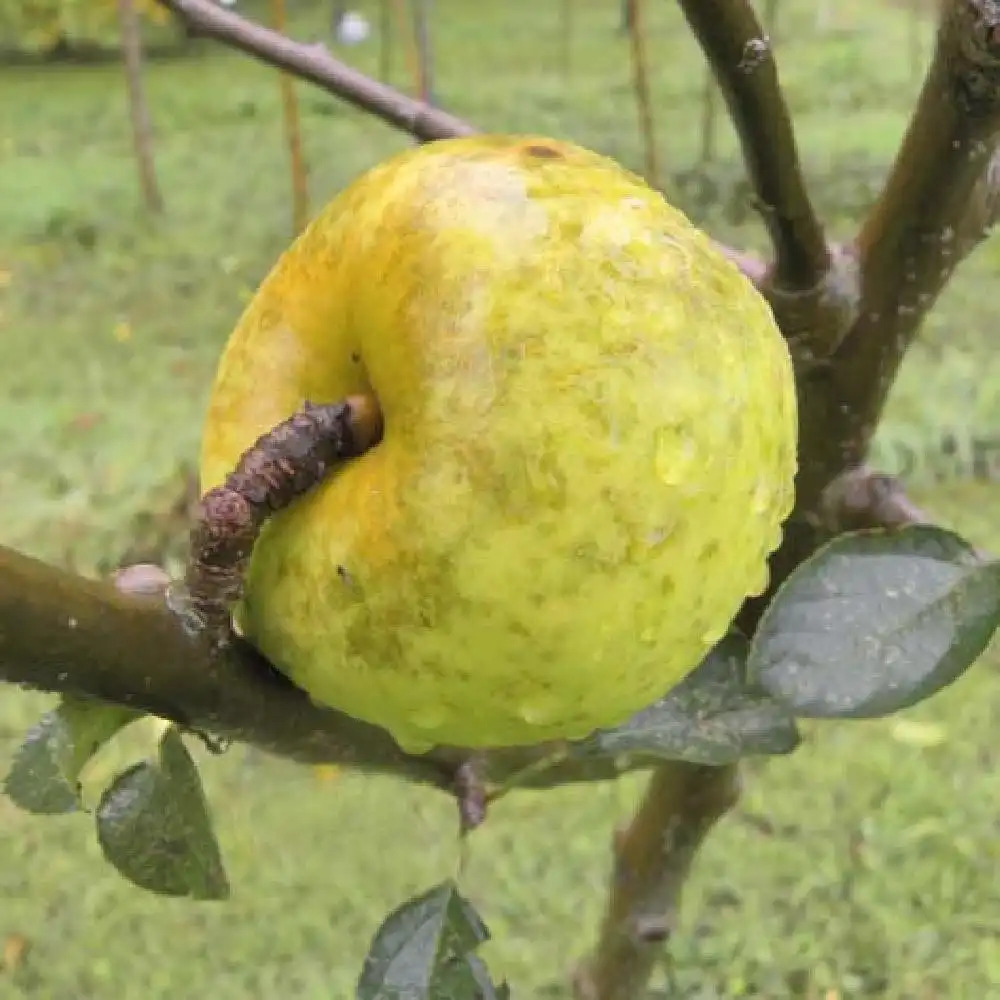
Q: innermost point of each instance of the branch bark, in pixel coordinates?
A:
(127, 645)
(315, 64)
(652, 858)
(82, 637)
(740, 55)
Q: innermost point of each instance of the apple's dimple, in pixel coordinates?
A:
(559, 518)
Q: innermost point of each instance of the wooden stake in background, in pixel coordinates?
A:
(385, 40)
(640, 81)
(142, 126)
(422, 42)
(293, 132)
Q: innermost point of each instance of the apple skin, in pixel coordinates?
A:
(589, 446)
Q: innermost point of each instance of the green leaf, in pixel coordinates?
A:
(153, 826)
(424, 951)
(45, 775)
(876, 621)
(712, 717)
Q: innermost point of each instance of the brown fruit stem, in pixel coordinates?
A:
(282, 465)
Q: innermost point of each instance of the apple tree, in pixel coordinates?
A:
(871, 607)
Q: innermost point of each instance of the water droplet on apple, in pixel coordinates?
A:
(761, 498)
(428, 717)
(674, 452)
(712, 635)
(760, 580)
(541, 709)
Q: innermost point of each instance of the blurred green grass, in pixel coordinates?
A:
(862, 867)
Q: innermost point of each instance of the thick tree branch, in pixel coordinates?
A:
(740, 54)
(315, 64)
(62, 633)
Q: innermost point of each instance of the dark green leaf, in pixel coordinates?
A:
(424, 951)
(153, 826)
(712, 717)
(876, 621)
(44, 777)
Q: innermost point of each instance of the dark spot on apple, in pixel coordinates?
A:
(355, 357)
(543, 152)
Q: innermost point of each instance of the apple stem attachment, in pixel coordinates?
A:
(280, 466)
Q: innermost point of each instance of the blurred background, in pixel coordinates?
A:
(864, 866)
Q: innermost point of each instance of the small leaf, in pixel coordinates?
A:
(153, 826)
(876, 621)
(712, 717)
(44, 777)
(424, 951)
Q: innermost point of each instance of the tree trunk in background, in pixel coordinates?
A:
(142, 127)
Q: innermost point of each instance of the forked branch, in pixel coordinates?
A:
(940, 199)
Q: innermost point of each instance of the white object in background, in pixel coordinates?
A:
(352, 28)
(228, 3)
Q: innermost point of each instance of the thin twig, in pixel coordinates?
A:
(740, 54)
(315, 64)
